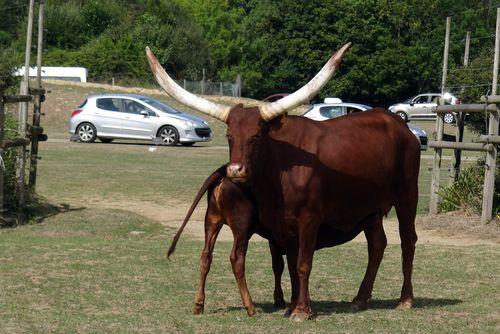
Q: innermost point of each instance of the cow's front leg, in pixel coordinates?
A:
(212, 228)
(278, 266)
(377, 241)
(237, 258)
(307, 242)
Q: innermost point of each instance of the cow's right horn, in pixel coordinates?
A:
(216, 110)
(307, 92)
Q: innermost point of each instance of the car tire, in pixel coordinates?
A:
(188, 144)
(449, 118)
(168, 136)
(403, 115)
(86, 132)
(106, 140)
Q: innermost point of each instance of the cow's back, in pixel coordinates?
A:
(342, 170)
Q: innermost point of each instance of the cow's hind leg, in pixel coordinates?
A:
(377, 241)
(213, 224)
(291, 259)
(237, 258)
(278, 266)
(406, 211)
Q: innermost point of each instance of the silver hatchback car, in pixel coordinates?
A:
(130, 116)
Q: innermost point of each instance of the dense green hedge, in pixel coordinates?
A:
(275, 45)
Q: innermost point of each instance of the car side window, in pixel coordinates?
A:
(134, 107)
(331, 111)
(108, 104)
(434, 98)
(351, 110)
(421, 99)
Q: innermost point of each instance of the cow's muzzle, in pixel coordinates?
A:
(236, 172)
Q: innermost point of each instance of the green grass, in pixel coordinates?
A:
(84, 271)
(72, 171)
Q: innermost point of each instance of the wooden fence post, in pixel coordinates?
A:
(489, 176)
(459, 131)
(2, 165)
(436, 166)
(37, 112)
(23, 115)
(238, 85)
(203, 89)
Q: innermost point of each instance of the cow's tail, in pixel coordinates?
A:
(216, 176)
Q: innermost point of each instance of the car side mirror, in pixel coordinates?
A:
(144, 113)
(412, 104)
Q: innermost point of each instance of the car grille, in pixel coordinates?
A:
(203, 132)
(423, 140)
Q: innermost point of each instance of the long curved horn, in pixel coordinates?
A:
(304, 94)
(216, 110)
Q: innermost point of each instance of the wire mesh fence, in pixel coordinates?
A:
(224, 88)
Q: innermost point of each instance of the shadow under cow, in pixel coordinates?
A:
(327, 307)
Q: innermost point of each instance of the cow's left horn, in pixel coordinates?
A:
(307, 92)
(216, 110)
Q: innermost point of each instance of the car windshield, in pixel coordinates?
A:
(407, 101)
(160, 106)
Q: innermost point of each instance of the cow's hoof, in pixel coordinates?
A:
(405, 304)
(251, 310)
(279, 304)
(198, 309)
(299, 316)
(359, 305)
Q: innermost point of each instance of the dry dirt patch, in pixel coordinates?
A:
(430, 229)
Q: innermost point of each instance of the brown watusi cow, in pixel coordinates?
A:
(313, 180)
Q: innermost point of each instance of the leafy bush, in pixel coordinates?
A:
(467, 192)
(9, 159)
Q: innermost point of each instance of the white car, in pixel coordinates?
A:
(324, 111)
(420, 107)
(130, 116)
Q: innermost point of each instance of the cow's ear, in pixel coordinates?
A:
(275, 123)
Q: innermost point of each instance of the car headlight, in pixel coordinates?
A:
(188, 123)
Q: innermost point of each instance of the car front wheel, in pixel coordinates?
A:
(449, 118)
(168, 135)
(86, 132)
(403, 115)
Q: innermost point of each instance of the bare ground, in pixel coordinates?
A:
(450, 229)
